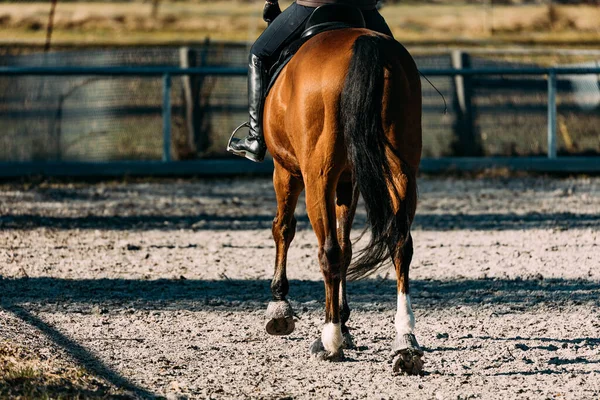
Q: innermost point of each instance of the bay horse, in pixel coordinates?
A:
(343, 118)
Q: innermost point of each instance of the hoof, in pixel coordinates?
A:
(407, 355)
(318, 351)
(348, 343)
(281, 326)
(281, 318)
(279, 309)
(408, 362)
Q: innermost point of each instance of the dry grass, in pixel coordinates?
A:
(24, 374)
(132, 22)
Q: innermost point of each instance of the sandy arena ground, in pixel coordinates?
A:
(160, 288)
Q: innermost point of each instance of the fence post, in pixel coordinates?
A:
(187, 149)
(552, 114)
(166, 111)
(466, 138)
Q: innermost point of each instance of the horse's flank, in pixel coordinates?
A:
(301, 124)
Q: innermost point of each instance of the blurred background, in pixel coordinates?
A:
(49, 118)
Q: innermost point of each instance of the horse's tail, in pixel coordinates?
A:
(371, 155)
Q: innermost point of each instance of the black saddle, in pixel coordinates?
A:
(325, 18)
(333, 16)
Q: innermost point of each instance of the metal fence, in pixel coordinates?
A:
(466, 80)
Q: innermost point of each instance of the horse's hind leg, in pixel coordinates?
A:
(287, 190)
(406, 350)
(345, 207)
(320, 205)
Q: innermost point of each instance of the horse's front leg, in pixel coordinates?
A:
(287, 190)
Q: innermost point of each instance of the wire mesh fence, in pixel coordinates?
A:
(578, 113)
(46, 118)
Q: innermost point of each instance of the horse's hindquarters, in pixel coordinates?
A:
(348, 104)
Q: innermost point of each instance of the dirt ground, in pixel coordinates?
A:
(159, 288)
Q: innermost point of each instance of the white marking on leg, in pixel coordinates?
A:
(405, 319)
(332, 337)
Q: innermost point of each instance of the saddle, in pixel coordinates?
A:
(324, 18)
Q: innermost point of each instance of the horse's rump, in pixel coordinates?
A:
(305, 103)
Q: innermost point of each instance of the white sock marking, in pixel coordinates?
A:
(405, 319)
(332, 337)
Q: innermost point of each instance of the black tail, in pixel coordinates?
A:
(361, 107)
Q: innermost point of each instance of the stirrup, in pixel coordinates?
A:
(229, 148)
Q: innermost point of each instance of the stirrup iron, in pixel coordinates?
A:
(229, 148)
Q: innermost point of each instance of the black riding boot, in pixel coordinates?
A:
(253, 146)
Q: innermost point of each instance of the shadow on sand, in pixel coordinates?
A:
(242, 295)
(423, 221)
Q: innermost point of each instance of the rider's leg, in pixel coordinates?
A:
(283, 30)
(375, 21)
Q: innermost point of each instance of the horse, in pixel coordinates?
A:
(343, 119)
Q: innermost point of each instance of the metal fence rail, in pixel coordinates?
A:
(551, 163)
